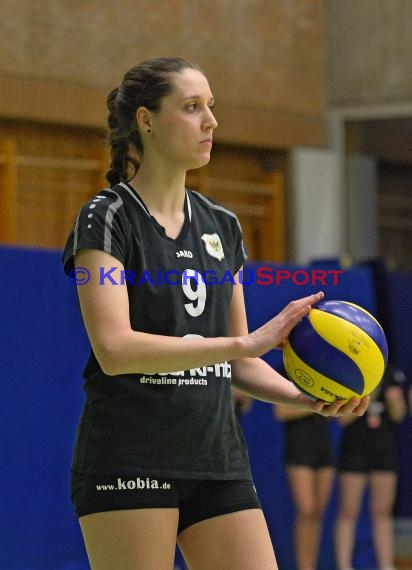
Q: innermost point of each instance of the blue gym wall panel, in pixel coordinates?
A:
(42, 354)
(400, 309)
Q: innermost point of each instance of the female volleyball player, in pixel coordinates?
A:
(159, 452)
(310, 468)
(369, 456)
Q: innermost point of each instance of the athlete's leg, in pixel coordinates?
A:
(306, 529)
(351, 488)
(238, 540)
(131, 539)
(325, 477)
(383, 489)
(310, 489)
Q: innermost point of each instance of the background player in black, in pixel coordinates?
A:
(310, 469)
(161, 125)
(368, 456)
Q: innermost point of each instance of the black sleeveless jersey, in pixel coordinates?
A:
(180, 423)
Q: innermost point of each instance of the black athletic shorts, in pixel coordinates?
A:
(196, 500)
(363, 455)
(308, 443)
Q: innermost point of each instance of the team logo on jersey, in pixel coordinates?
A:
(214, 246)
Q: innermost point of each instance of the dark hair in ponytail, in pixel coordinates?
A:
(143, 86)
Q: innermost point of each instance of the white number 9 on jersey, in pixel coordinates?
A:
(194, 288)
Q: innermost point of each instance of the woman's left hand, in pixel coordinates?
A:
(356, 406)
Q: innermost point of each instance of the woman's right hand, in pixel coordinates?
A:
(274, 333)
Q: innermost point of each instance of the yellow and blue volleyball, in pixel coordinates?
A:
(337, 352)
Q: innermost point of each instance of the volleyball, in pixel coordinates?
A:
(337, 352)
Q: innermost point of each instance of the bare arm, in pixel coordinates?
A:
(242, 402)
(395, 403)
(121, 350)
(347, 420)
(287, 413)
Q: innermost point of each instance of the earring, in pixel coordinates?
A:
(149, 131)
